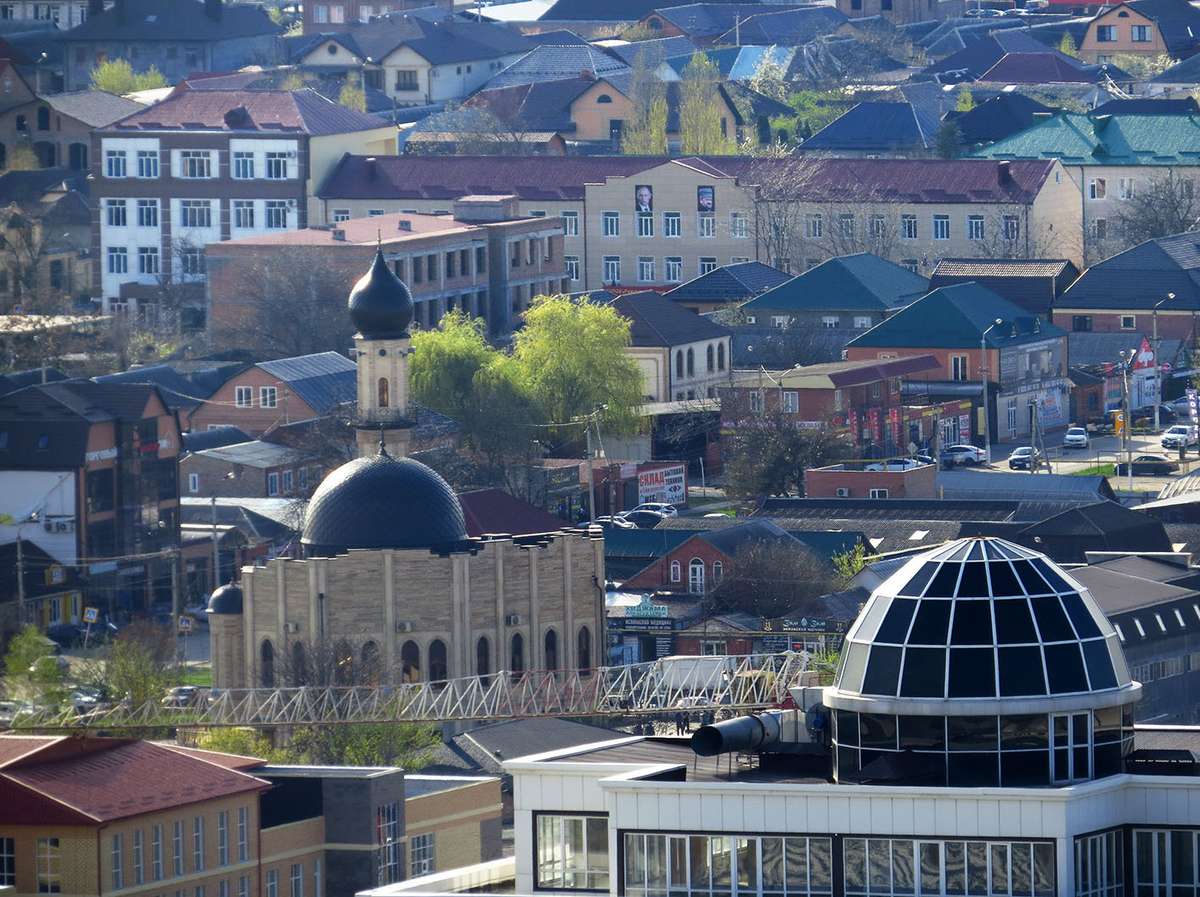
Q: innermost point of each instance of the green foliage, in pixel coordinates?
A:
(965, 102)
(1141, 68)
(275, 14)
(826, 664)
(851, 562)
(445, 362)
(771, 460)
(1067, 45)
(352, 95)
(23, 652)
(640, 33)
(140, 662)
(244, 742)
(814, 110)
(293, 81)
(117, 76)
(646, 132)
(947, 140)
(21, 157)
(700, 109)
(767, 77)
(410, 745)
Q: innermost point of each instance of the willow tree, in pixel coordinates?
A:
(645, 131)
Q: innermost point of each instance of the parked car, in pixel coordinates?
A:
(894, 464)
(183, 696)
(1178, 436)
(1024, 457)
(962, 454)
(1144, 416)
(48, 663)
(667, 510)
(1181, 407)
(65, 635)
(614, 522)
(1076, 437)
(644, 519)
(1148, 466)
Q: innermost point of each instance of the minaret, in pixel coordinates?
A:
(381, 309)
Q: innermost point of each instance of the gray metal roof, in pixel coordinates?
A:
(323, 380)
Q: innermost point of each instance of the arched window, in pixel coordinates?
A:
(718, 572)
(720, 356)
(437, 660)
(709, 353)
(551, 646)
(483, 656)
(676, 572)
(267, 654)
(299, 665)
(583, 648)
(370, 664)
(383, 392)
(691, 363)
(410, 662)
(696, 576)
(679, 364)
(516, 654)
(77, 156)
(604, 98)
(43, 118)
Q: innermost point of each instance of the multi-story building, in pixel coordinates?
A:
(477, 256)
(64, 14)
(342, 15)
(205, 166)
(89, 472)
(651, 222)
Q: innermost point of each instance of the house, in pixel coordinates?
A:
(204, 166)
(682, 355)
(176, 37)
(1149, 28)
(850, 291)
(1033, 284)
(46, 224)
(974, 60)
(77, 454)
(1114, 159)
(903, 12)
(850, 479)
(252, 469)
(1024, 362)
(878, 130)
(788, 27)
(63, 15)
(479, 257)
(703, 23)
(554, 63)
(427, 57)
(726, 286)
(344, 15)
(995, 118)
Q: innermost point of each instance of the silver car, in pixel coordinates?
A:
(1076, 437)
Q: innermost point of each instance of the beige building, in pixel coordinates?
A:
(1127, 30)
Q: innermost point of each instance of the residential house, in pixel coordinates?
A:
(878, 130)
(344, 15)
(857, 479)
(1033, 284)
(426, 57)
(1113, 159)
(58, 127)
(46, 225)
(485, 260)
(177, 37)
(52, 590)
(1104, 355)
(682, 355)
(702, 23)
(995, 118)
(204, 166)
(89, 473)
(975, 59)
(903, 12)
(1149, 28)
(555, 63)
(727, 286)
(733, 209)
(1022, 365)
(850, 291)
(64, 15)
(252, 469)
(1151, 287)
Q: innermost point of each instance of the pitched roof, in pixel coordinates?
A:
(973, 268)
(1030, 283)
(270, 111)
(956, 316)
(982, 54)
(172, 20)
(1141, 276)
(550, 63)
(730, 283)
(176, 389)
(1178, 22)
(996, 118)
(1093, 349)
(657, 321)
(1046, 486)
(438, 38)
(1120, 139)
(790, 26)
(323, 381)
(494, 512)
(1035, 68)
(708, 19)
(1162, 105)
(654, 51)
(860, 281)
(755, 531)
(92, 107)
(541, 105)
(877, 126)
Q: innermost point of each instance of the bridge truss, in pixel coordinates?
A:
(730, 683)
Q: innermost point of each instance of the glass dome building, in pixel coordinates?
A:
(981, 663)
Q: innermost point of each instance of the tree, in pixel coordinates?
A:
(352, 95)
(1158, 208)
(244, 743)
(768, 76)
(699, 109)
(645, 134)
(850, 563)
(772, 578)
(117, 76)
(444, 363)
(1067, 45)
(292, 81)
(947, 140)
(24, 650)
(762, 459)
(22, 158)
(1141, 68)
(140, 662)
(964, 102)
(410, 745)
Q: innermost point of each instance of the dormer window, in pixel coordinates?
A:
(604, 98)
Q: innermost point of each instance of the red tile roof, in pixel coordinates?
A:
(108, 779)
(229, 761)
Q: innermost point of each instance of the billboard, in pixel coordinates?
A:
(667, 484)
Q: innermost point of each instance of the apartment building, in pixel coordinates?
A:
(61, 15)
(205, 166)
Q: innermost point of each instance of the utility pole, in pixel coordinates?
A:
(216, 558)
(1157, 361)
(591, 477)
(983, 376)
(1127, 360)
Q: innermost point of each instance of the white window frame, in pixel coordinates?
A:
(611, 269)
(148, 260)
(243, 214)
(118, 861)
(706, 265)
(387, 828)
(198, 843)
(570, 224)
(277, 166)
(706, 225)
(156, 833)
(673, 269)
(571, 266)
(117, 260)
(1097, 189)
(975, 227)
(645, 224)
(273, 484)
(116, 164)
(272, 883)
(814, 227)
(195, 164)
(115, 213)
(147, 213)
(672, 224)
(422, 860)
(909, 229)
(739, 225)
(223, 838)
(177, 848)
(147, 164)
(268, 397)
(610, 224)
(275, 214)
(645, 269)
(940, 225)
(862, 322)
(791, 401)
(1126, 188)
(341, 215)
(139, 857)
(297, 877)
(195, 213)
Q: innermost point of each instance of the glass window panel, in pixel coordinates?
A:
(960, 553)
(1043, 870)
(701, 870)
(977, 882)
(635, 861)
(772, 865)
(1000, 869)
(1004, 581)
(1117, 656)
(1052, 620)
(922, 733)
(883, 670)
(847, 762)
(972, 623)
(656, 861)
(956, 868)
(972, 673)
(876, 610)
(1107, 725)
(1022, 870)
(820, 864)
(747, 864)
(931, 868)
(1021, 672)
(1107, 759)
(972, 733)
(1085, 623)
(945, 582)
(976, 552)
(916, 585)
(855, 858)
(974, 582)
(878, 730)
(1014, 623)
(879, 866)
(903, 873)
(679, 865)
(972, 770)
(1143, 854)
(1024, 732)
(1064, 664)
(722, 863)
(1024, 768)
(847, 727)
(931, 624)
(853, 666)
(894, 628)
(1056, 582)
(1033, 582)
(1183, 857)
(924, 672)
(1099, 665)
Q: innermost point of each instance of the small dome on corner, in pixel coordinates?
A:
(225, 600)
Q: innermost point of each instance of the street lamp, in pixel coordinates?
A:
(983, 376)
(1157, 362)
(1126, 361)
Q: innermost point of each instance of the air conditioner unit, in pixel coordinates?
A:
(48, 526)
(843, 492)
(512, 619)
(291, 154)
(64, 526)
(404, 626)
(291, 203)
(291, 627)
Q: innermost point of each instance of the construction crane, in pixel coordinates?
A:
(665, 686)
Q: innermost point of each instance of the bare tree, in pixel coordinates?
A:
(1161, 207)
(769, 578)
(1004, 232)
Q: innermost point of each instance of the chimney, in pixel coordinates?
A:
(339, 234)
(1003, 172)
(587, 76)
(403, 224)
(212, 9)
(369, 165)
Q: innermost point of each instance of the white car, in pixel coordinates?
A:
(894, 464)
(1076, 437)
(616, 522)
(660, 507)
(962, 455)
(1179, 436)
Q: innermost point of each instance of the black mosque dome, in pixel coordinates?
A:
(382, 502)
(225, 600)
(381, 306)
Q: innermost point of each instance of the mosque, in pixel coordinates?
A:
(390, 587)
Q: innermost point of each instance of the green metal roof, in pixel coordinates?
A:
(1079, 139)
(859, 282)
